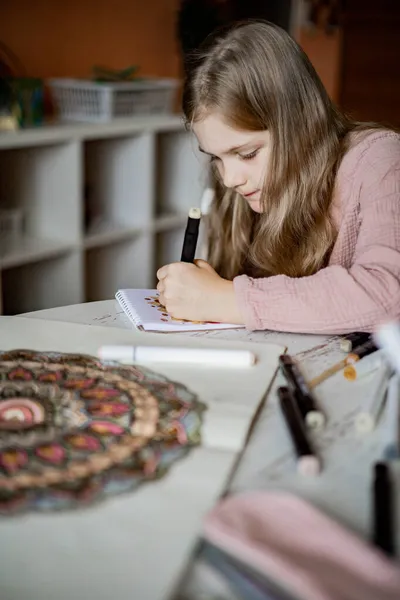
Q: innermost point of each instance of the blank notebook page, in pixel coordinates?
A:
(144, 310)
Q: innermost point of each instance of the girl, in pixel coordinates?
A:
(306, 234)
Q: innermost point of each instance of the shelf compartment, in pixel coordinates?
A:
(45, 183)
(46, 284)
(169, 246)
(126, 264)
(46, 173)
(103, 234)
(182, 172)
(118, 184)
(169, 221)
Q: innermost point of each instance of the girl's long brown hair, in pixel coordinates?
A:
(258, 78)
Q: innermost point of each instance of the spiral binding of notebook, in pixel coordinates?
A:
(128, 309)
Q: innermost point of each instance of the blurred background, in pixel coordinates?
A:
(96, 170)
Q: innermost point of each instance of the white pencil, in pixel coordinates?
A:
(366, 420)
(391, 431)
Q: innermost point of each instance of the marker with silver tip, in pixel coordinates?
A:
(307, 462)
(366, 420)
(313, 418)
(391, 428)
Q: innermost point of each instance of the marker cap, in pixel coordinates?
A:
(315, 420)
(195, 213)
(309, 466)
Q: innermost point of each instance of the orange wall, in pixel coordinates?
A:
(54, 41)
(56, 38)
(324, 51)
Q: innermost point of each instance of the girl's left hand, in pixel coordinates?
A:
(197, 293)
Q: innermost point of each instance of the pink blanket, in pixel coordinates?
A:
(308, 553)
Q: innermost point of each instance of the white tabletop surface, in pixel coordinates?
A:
(343, 490)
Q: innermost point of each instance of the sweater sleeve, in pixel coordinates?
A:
(339, 299)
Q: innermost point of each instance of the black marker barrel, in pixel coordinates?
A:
(191, 235)
(307, 463)
(360, 351)
(352, 340)
(313, 417)
(382, 509)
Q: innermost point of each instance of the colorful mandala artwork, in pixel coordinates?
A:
(74, 429)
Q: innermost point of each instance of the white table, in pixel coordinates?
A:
(343, 488)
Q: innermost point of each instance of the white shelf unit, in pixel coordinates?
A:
(104, 206)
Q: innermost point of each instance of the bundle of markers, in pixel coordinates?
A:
(365, 354)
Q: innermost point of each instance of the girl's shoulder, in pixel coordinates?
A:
(372, 158)
(371, 146)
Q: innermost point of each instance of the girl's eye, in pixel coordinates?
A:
(249, 156)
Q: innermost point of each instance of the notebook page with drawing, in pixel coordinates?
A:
(144, 311)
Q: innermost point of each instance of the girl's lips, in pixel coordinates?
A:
(251, 194)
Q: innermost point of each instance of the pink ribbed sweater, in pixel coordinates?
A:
(360, 287)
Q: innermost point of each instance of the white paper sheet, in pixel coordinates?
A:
(131, 547)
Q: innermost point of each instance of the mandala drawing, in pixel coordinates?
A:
(74, 429)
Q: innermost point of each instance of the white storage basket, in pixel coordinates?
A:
(81, 100)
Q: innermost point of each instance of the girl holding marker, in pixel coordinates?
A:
(305, 236)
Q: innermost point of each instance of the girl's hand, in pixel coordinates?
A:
(197, 293)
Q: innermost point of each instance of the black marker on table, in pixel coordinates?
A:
(353, 340)
(307, 462)
(191, 235)
(382, 509)
(354, 356)
(362, 350)
(313, 417)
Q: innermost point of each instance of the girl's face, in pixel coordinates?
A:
(241, 157)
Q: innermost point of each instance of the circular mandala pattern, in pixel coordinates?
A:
(74, 429)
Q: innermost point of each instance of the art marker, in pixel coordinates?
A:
(366, 420)
(364, 350)
(313, 417)
(352, 340)
(391, 429)
(191, 235)
(382, 509)
(307, 462)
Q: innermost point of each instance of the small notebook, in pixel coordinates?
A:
(145, 311)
